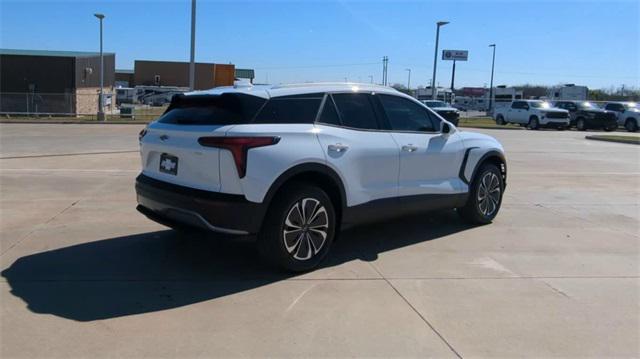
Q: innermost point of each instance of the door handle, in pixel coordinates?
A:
(409, 148)
(338, 147)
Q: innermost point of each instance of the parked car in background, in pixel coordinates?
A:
(627, 114)
(532, 113)
(584, 115)
(296, 163)
(445, 110)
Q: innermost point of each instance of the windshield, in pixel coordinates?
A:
(435, 104)
(588, 105)
(539, 104)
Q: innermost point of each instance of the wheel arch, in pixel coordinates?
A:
(468, 171)
(317, 174)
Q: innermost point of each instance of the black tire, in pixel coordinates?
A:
(609, 129)
(631, 125)
(581, 124)
(500, 120)
(533, 124)
(290, 252)
(472, 211)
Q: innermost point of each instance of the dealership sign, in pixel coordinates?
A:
(455, 55)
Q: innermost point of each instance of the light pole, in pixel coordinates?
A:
(493, 62)
(409, 80)
(101, 116)
(435, 58)
(371, 78)
(192, 60)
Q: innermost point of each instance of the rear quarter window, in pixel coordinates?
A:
(290, 109)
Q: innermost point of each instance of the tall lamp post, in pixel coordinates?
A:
(101, 116)
(493, 62)
(435, 58)
(192, 58)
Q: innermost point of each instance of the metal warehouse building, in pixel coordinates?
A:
(170, 73)
(53, 82)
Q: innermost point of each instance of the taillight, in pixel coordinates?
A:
(239, 146)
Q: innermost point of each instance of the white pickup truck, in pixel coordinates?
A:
(627, 114)
(532, 113)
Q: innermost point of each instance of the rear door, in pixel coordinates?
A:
(429, 160)
(367, 158)
(170, 150)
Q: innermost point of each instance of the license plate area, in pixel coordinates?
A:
(168, 164)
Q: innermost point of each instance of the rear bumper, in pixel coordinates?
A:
(171, 205)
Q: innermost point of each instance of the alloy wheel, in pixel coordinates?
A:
(305, 228)
(489, 194)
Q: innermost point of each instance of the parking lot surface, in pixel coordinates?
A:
(85, 275)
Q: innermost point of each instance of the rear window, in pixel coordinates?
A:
(224, 109)
(290, 109)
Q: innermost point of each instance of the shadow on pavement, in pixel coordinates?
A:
(162, 270)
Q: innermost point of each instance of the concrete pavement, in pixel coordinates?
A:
(85, 275)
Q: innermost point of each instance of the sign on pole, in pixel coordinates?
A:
(455, 55)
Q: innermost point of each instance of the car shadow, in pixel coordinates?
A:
(161, 270)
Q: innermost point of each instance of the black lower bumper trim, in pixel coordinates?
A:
(174, 205)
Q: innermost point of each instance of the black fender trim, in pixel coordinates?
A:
(491, 153)
(463, 166)
(302, 168)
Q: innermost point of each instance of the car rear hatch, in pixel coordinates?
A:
(169, 146)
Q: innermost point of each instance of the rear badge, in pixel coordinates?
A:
(169, 164)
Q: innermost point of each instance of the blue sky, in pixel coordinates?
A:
(595, 43)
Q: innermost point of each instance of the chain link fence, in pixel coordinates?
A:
(81, 106)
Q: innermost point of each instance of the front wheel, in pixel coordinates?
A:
(500, 120)
(299, 228)
(533, 124)
(485, 196)
(631, 125)
(581, 125)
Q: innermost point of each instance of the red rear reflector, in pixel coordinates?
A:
(239, 146)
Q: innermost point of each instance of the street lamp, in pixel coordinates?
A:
(435, 58)
(409, 80)
(192, 58)
(493, 62)
(101, 116)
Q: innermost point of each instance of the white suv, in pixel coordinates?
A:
(533, 114)
(296, 163)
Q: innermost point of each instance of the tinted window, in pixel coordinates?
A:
(405, 115)
(225, 109)
(329, 114)
(289, 109)
(517, 104)
(614, 107)
(355, 110)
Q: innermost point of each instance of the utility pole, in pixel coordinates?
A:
(493, 62)
(409, 80)
(101, 116)
(385, 64)
(435, 58)
(371, 78)
(192, 63)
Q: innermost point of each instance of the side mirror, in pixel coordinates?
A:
(446, 129)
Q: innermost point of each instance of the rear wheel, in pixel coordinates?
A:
(581, 124)
(533, 124)
(631, 125)
(485, 196)
(299, 228)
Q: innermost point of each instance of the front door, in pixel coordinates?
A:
(429, 160)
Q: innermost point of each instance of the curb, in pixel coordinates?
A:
(491, 127)
(629, 142)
